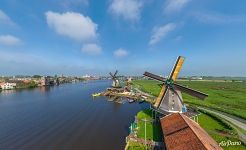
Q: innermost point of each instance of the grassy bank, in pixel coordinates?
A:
(22, 85)
(137, 146)
(215, 127)
(153, 130)
(219, 130)
(229, 97)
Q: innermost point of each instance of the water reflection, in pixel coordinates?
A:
(44, 89)
(6, 92)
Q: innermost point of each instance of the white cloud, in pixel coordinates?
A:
(73, 25)
(92, 49)
(120, 53)
(216, 18)
(175, 5)
(5, 19)
(9, 40)
(128, 9)
(161, 32)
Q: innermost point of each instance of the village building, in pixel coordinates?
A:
(7, 86)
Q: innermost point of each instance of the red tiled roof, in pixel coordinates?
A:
(182, 133)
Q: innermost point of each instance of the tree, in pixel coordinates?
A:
(36, 76)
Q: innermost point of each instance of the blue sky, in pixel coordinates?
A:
(94, 37)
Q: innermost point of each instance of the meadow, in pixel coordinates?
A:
(153, 130)
(219, 131)
(214, 126)
(228, 97)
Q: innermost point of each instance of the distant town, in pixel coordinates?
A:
(26, 81)
(21, 81)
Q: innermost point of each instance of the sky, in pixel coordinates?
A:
(94, 37)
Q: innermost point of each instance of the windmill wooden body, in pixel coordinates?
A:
(170, 99)
(128, 84)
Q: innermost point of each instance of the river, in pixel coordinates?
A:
(64, 117)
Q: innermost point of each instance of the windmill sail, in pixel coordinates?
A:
(160, 97)
(190, 91)
(153, 76)
(111, 75)
(115, 80)
(115, 73)
(177, 68)
(170, 98)
(163, 89)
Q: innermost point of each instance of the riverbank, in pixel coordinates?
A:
(217, 128)
(145, 132)
(227, 97)
(32, 85)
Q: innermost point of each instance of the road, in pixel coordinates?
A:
(233, 121)
(230, 119)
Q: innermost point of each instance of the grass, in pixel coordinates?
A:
(153, 130)
(229, 97)
(145, 114)
(216, 128)
(219, 130)
(137, 146)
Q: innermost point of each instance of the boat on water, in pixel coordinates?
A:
(130, 100)
(96, 94)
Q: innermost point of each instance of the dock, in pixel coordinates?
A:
(115, 93)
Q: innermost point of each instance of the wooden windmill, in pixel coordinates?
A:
(170, 98)
(128, 84)
(116, 83)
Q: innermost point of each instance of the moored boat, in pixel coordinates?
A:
(96, 94)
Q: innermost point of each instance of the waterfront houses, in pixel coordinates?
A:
(45, 81)
(21, 81)
(7, 86)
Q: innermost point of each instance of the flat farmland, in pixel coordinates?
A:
(229, 97)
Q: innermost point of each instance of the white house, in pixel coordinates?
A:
(7, 86)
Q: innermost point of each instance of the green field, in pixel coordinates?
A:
(137, 146)
(229, 97)
(219, 131)
(152, 130)
(215, 127)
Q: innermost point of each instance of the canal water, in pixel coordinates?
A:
(64, 117)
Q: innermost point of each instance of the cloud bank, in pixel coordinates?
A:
(9, 40)
(73, 25)
(161, 32)
(120, 53)
(175, 5)
(92, 49)
(127, 9)
(217, 18)
(5, 19)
